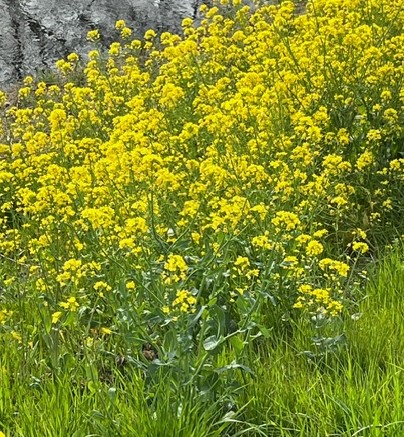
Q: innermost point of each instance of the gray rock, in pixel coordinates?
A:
(36, 33)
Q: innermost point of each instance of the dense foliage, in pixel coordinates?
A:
(179, 195)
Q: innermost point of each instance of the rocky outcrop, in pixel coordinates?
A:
(35, 33)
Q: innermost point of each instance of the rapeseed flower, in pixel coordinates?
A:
(93, 35)
(71, 304)
(235, 154)
(360, 246)
(56, 316)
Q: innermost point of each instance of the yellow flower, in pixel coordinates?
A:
(71, 304)
(126, 32)
(114, 49)
(340, 267)
(93, 54)
(56, 316)
(93, 35)
(184, 301)
(150, 34)
(175, 263)
(142, 157)
(359, 233)
(106, 331)
(28, 81)
(176, 269)
(299, 304)
(187, 22)
(242, 262)
(360, 247)
(365, 160)
(314, 248)
(261, 241)
(120, 24)
(4, 315)
(374, 135)
(130, 285)
(320, 233)
(289, 220)
(16, 336)
(196, 237)
(334, 308)
(101, 285)
(289, 262)
(73, 57)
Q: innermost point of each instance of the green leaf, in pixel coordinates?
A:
(264, 331)
(112, 394)
(195, 319)
(92, 387)
(212, 342)
(237, 343)
(232, 366)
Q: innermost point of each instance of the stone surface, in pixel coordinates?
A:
(35, 33)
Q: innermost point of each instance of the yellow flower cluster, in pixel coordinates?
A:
(71, 304)
(185, 301)
(317, 298)
(176, 269)
(250, 144)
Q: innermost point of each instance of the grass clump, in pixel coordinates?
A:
(185, 203)
(352, 387)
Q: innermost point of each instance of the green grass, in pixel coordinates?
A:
(353, 389)
(350, 387)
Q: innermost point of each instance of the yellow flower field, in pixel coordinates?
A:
(211, 185)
